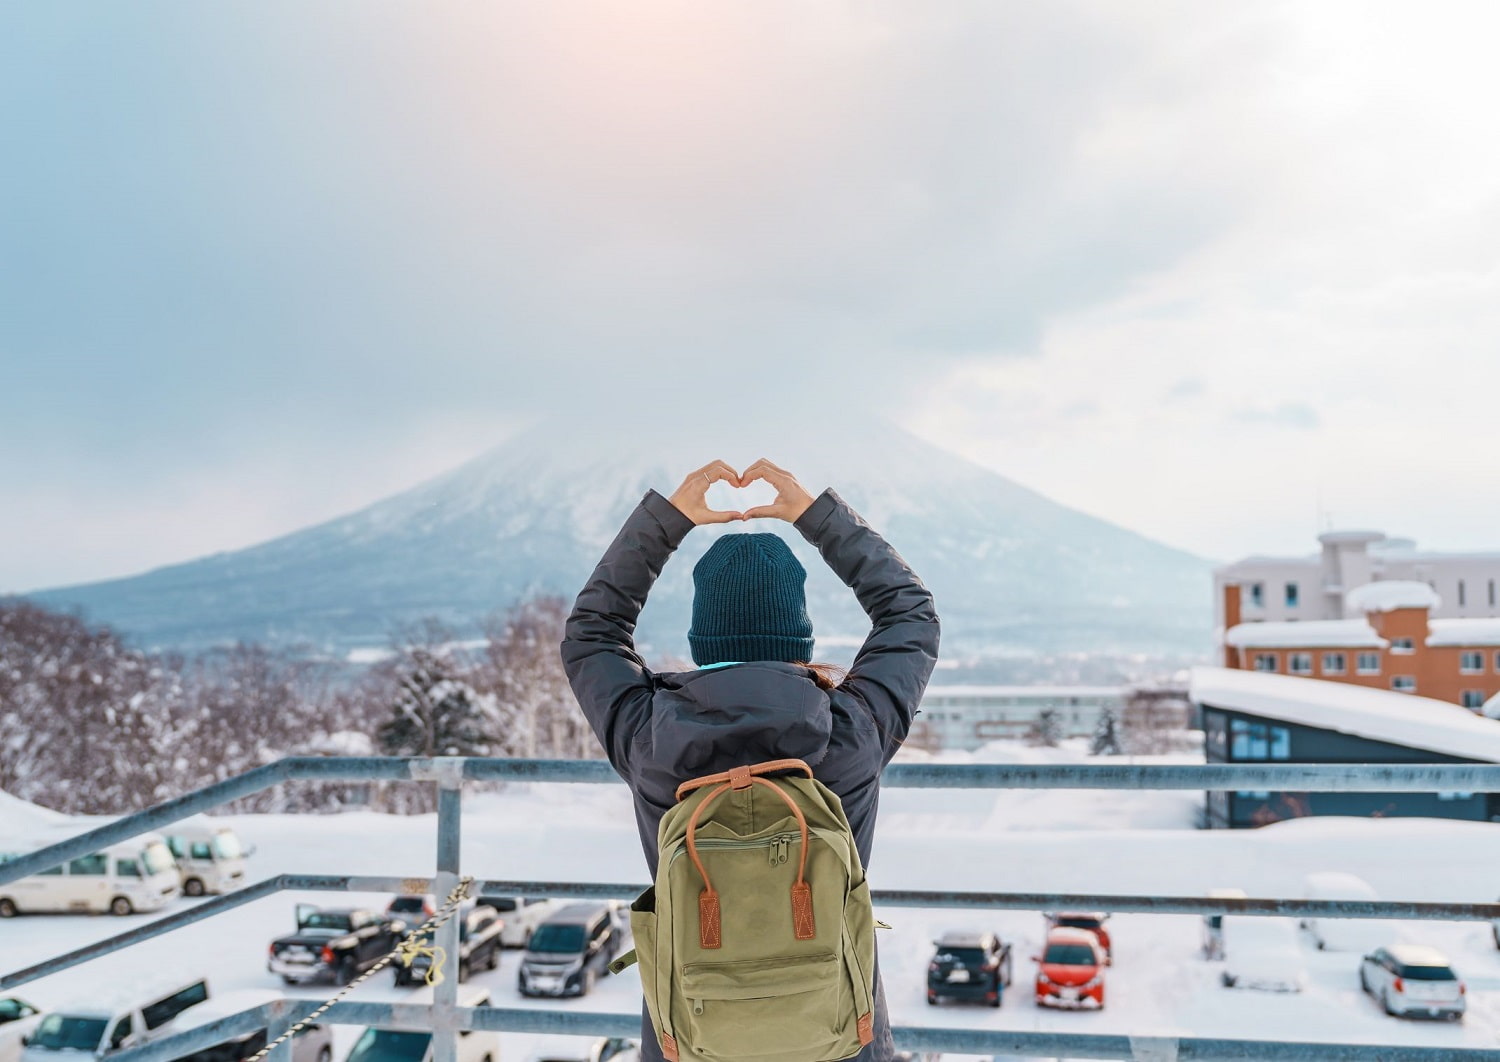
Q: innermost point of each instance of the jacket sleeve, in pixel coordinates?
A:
(891, 670)
(608, 676)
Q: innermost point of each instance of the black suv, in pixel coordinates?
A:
(969, 966)
(570, 951)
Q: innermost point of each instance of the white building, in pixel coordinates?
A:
(966, 717)
(1313, 587)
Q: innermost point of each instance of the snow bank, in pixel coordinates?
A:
(1460, 632)
(1312, 634)
(1380, 715)
(1385, 595)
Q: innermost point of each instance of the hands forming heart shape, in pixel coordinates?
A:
(792, 499)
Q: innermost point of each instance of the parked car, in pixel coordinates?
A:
(333, 943)
(412, 908)
(479, 930)
(1213, 925)
(522, 915)
(1411, 979)
(570, 951)
(1093, 921)
(1263, 953)
(581, 1049)
(312, 1043)
(395, 1045)
(969, 966)
(121, 1015)
(17, 1019)
(210, 856)
(138, 874)
(1343, 934)
(1070, 970)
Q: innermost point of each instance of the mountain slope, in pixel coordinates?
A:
(1011, 570)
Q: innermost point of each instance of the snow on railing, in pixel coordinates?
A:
(445, 1018)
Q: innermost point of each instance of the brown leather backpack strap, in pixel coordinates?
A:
(803, 925)
(738, 775)
(710, 934)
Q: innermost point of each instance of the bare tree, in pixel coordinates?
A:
(524, 669)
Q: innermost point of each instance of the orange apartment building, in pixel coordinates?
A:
(1390, 642)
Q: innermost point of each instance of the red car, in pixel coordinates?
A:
(1093, 921)
(1070, 970)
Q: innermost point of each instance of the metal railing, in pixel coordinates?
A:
(446, 1019)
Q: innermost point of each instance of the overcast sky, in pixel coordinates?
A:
(1221, 273)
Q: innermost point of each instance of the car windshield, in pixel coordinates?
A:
(325, 920)
(408, 905)
(1428, 973)
(557, 939)
(58, 1033)
(1069, 955)
(388, 1045)
(967, 956)
(158, 858)
(11, 1009)
(499, 904)
(1078, 922)
(227, 846)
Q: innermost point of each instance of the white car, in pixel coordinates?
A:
(1343, 934)
(581, 1049)
(522, 915)
(17, 1019)
(1412, 979)
(391, 1045)
(1264, 953)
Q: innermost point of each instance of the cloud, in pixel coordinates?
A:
(1297, 415)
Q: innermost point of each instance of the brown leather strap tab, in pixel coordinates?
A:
(710, 931)
(866, 1027)
(802, 912)
(739, 778)
(769, 767)
(669, 1048)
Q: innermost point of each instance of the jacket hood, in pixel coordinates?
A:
(704, 722)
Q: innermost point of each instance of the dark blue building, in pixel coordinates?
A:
(1251, 717)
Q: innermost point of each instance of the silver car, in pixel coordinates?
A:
(1411, 979)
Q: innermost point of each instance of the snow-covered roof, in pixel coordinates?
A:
(1384, 595)
(1305, 634)
(1479, 631)
(1491, 709)
(1379, 715)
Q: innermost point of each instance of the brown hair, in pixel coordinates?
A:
(827, 676)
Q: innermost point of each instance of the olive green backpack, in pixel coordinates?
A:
(757, 941)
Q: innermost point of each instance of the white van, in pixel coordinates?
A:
(1344, 934)
(119, 1017)
(210, 857)
(392, 1045)
(134, 875)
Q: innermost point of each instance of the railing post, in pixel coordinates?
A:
(449, 772)
(280, 1023)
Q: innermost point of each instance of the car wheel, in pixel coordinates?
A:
(463, 970)
(998, 999)
(1226, 980)
(1364, 982)
(1495, 932)
(931, 1000)
(121, 906)
(346, 971)
(8, 908)
(494, 962)
(1385, 1001)
(325, 1054)
(288, 980)
(193, 886)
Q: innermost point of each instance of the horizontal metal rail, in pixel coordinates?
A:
(442, 1016)
(589, 890)
(410, 1016)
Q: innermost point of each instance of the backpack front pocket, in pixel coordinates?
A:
(774, 1007)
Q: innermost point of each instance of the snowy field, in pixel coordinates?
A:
(1068, 841)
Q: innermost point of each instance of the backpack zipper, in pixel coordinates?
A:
(780, 846)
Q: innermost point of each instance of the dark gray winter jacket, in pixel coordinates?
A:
(659, 730)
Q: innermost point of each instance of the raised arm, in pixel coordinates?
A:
(608, 676)
(891, 670)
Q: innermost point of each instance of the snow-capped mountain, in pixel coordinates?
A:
(1012, 571)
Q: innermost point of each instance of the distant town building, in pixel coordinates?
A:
(1315, 586)
(966, 717)
(1263, 718)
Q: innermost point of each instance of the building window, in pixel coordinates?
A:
(1333, 663)
(1367, 664)
(1404, 683)
(1266, 662)
(1492, 592)
(1455, 795)
(1471, 662)
(1258, 741)
(1291, 595)
(1300, 664)
(1472, 699)
(1460, 593)
(1403, 645)
(1258, 595)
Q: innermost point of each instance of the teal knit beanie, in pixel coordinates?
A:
(749, 602)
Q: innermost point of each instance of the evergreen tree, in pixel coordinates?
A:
(1046, 729)
(1106, 740)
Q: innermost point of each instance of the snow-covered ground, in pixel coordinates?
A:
(1066, 841)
